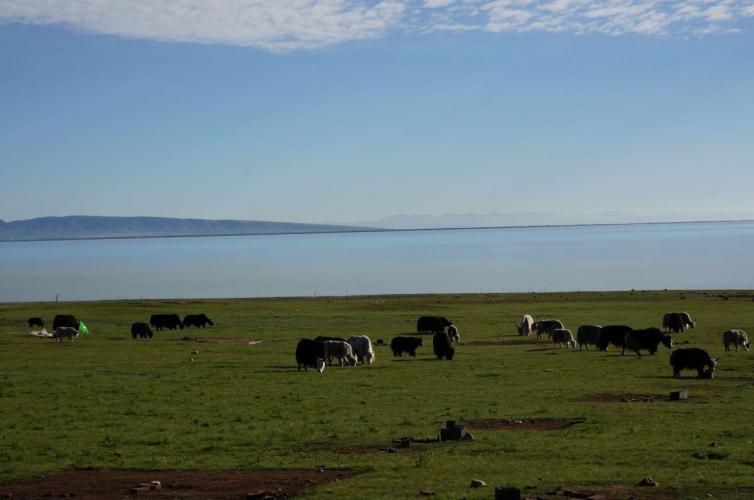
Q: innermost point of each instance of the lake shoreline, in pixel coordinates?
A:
(722, 294)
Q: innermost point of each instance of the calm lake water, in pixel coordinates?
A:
(677, 256)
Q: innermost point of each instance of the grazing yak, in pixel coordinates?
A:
(525, 326)
(141, 330)
(735, 338)
(362, 348)
(677, 322)
(65, 320)
(35, 321)
(646, 340)
(310, 353)
(65, 332)
(692, 358)
(399, 345)
(546, 326)
(588, 335)
(342, 351)
(432, 324)
(442, 347)
(323, 338)
(612, 334)
(454, 334)
(169, 321)
(197, 320)
(561, 337)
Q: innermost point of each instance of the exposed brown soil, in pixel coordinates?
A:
(213, 340)
(112, 484)
(628, 398)
(538, 424)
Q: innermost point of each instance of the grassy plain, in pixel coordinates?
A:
(107, 401)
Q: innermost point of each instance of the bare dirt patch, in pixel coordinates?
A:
(629, 398)
(213, 340)
(538, 424)
(112, 484)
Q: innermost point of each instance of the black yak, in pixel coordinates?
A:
(197, 320)
(65, 320)
(546, 326)
(35, 321)
(310, 353)
(399, 345)
(141, 330)
(692, 358)
(612, 334)
(646, 340)
(441, 346)
(432, 324)
(588, 335)
(169, 321)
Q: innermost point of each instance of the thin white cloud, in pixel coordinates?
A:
(434, 4)
(270, 24)
(284, 25)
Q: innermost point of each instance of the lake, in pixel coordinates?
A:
(619, 257)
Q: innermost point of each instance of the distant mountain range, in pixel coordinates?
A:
(494, 219)
(91, 227)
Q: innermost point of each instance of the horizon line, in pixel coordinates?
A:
(381, 230)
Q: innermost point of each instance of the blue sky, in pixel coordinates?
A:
(343, 111)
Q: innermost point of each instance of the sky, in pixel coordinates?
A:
(353, 110)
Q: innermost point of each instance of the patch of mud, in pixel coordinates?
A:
(628, 398)
(115, 484)
(213, 340)
(538, 424)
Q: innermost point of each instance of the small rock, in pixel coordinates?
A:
(156, 485)
(531, 487)
(679, 395)
(195, 352)
(426, 493)
(648, 481)
(477, 483)
(191, 360)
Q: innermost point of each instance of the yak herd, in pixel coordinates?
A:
(637, 340)
(321, 351)
(64, 325)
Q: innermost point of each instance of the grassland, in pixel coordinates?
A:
(107, 401)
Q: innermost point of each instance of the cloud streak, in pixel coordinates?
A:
(286, 25)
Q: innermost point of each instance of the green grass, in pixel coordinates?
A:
(107, 401)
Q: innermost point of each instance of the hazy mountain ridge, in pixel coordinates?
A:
(495, 219)
(85, 227)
